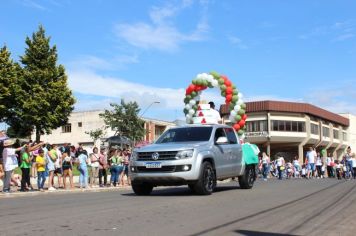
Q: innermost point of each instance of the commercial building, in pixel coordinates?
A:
(289, 129)
(74, 132)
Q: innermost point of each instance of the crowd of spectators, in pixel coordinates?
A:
(46, 163)
(314, 166)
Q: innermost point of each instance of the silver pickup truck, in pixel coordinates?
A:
(196, 155)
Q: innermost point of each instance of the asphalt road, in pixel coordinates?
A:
(294, 207)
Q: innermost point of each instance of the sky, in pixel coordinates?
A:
(149, 51)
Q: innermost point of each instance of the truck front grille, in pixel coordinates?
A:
(143, 169)
(163, 156)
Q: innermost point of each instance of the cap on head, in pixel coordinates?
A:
(9, 142)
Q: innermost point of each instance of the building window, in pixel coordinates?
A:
(314, 129)
(67, 128)
(288, 126)
(326, 132)
(344, 136)
(80, 124)
(256, 126)
(336, 134)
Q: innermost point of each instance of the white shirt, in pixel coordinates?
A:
(9, 159)
(353, 162)
(311, 157)
(303, 171)
(216, 115)
(296, 163)
(280, 161)
(318, 161)
(328, 161)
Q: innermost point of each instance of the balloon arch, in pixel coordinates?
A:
(233, 98)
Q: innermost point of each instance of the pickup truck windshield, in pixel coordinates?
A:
(188, 134)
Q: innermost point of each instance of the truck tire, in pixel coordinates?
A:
(142, 189)
(248, 178)
(207, 180)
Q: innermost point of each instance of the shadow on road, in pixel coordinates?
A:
(181, 191)
(257, 233)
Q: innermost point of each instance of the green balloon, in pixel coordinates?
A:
(185, 111)
(223, 93)
(210, 85)
(186, 100)
(235, 92)
(189, 97)
(195, 107)
(221, 81)
(241, 112)
(238, 117)
(194, 81)
(235, 98)
(231, 106)
(193, 94)
(240, 132)
(223, 87)
(233, 86)
(243, 106)
(215, 74)
(205, 83)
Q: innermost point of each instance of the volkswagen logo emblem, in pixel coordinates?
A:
(155, 156)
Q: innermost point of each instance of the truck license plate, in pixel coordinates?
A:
(153, 165)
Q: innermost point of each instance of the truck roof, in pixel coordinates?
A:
(203, 125)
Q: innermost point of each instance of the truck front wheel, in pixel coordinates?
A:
(248, 178)
(207, 180)
(142, 189)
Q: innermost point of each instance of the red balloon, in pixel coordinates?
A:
(188, 91)
(229, 90)
(224, 77)
(198, 88)
(228, 83)
(228, 97)
(244, 117)
(237, 127)
(242, 123)
(192, 87)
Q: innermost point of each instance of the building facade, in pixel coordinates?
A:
(288, 129)
(74, 132)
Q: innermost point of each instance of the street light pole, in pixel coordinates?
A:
(148, 107)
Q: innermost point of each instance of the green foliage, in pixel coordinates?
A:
(46, 99)
(96, 134)
(8, 84)
(124, 120)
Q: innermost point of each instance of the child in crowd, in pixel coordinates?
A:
(339, 169)
(41, 170)
(304, 172)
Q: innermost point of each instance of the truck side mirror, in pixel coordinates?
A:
(222, 140)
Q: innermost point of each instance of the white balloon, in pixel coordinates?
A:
(215, 83)
(188, 106)
(237, 107)
(188, 116)
(205, 76)
(240, 95)
(200, 76)
(191, 112)
(239, 102)
(232, 118)
(197, 98)
(233, 113)
(192, 102)
(199, 93)
(211, 77)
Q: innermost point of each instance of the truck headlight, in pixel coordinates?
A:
(134, 156)
(185, 154)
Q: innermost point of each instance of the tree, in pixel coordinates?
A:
(47, 101)
(8, 84)
(96, 134)
(124, 120)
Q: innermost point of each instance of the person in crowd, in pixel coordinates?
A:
(26, 161)
(58, 166)
(310, 157)
(304, 172)
(339, 169)
(319, 165)
(280, 167)
(103, 165)
(125, 172)
(41, 169)
(83, 167)
(67, 166)
(33, 163)
(290, 170)
(10, 162)
(51, 158)
(265, 161)
(353, 159)
(348, 163)
(116, 168)
(94, 159)
(330, 165)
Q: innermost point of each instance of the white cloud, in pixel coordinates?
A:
(162, 34)
(237, 41)
(33, 4)
(344, 37)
